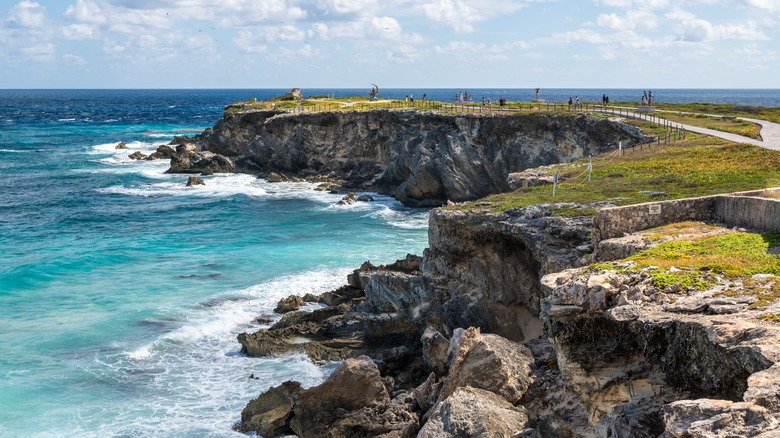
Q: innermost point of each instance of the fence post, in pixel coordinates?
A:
(555, 183)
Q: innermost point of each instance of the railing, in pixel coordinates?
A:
(671, 133)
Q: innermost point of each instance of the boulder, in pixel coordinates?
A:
(120, 145)
(365, 198)
(473, 412)
(270, 413)
(275, 177)
(387, 420)
(354, 385)
(199, 162)
(488, 362)
(707, 418)
(195, 181)
(180, 139)
(289, 304)
(163, 151)
(434, 350)
(137, 155)
(350, 198)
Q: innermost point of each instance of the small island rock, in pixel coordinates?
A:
(195, 181)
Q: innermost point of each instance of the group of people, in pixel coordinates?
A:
(463, 96)
(647, 98)
(605, 100)
(575, 102)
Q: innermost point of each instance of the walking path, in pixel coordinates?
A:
(770, 132)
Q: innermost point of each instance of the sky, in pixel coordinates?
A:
(395, 43)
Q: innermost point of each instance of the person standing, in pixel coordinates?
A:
(577, 103)
(570, 102)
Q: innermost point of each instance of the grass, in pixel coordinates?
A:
(693, 264)
(698, 166)
(731, 125)
(724, 109)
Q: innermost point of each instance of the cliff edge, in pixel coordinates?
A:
(422, 159)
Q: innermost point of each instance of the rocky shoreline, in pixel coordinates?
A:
(499, 328)
(423, 159)
(498, 331)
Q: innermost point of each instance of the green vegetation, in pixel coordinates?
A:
(724, 109)
(692, 263)
(725, 124)
(698, 166)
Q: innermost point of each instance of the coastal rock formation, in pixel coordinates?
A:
(421, 159)
(163, 151)
(195, 181)
(472, 412)
(497, 322)
(352, 402)
(137, 155)
(490, 264)
(270, 413)
(120, 145)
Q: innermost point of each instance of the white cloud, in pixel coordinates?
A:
(248, 43)
(41, 52)
(71, 59)
(462, 14)
(79, 31)
(769, 5)
(27, 14)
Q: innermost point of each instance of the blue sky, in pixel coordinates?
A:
(395, 43)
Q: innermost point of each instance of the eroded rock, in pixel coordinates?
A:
(289, 304)
(270, 413)
(354, 385)
(488, 362)
(473, 412)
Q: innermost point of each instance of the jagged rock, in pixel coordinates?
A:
(195, 181)
(473, 412)
(354, 385)
(180, 140)
(426, 393)
(275, 177)
(641, 420)
(270, 413)
(707, 418)
(492, 264)
(365, 198)
(120, 145)
(488, 362)
(186, 148)
(435, 348)
(350, 198)
(199, 162)
(163, 151)
(421, 159)
(289, 304)
(137, 155)
(529, 178)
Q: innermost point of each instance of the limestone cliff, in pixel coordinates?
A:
(422, 159)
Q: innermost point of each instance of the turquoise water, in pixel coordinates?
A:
(122, 291)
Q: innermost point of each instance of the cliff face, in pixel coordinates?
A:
(422, 159)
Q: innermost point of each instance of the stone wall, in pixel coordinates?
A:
(759, 210)
(619, 221)
(757, 213)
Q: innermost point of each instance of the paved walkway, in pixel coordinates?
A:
(770, 132)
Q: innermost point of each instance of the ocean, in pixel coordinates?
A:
(122, 291)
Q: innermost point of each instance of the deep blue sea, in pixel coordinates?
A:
(122, 291)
